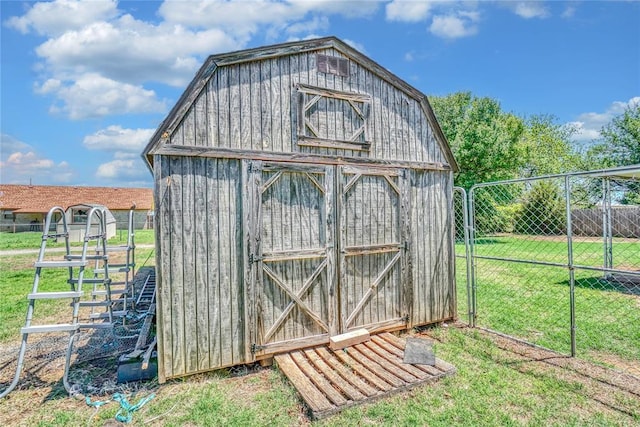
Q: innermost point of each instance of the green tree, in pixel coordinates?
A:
(621, 137)
(484, 139)
(620, 146)
(543, 211)
(547, 147)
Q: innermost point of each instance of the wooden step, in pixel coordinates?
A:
(55, 295)
(57, 264)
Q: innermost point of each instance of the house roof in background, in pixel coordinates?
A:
(41, 198)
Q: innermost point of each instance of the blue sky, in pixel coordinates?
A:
(85, 84)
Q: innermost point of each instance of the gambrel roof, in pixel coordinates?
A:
(187, 100)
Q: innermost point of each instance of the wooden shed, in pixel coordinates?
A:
(302, 191)
(76, 222)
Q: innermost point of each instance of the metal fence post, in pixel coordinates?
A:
(572, 279)
(607, 231)
(472, 262)
(466, 227)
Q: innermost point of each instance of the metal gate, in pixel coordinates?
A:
(555, 261)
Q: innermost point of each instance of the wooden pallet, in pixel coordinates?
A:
(332, 380)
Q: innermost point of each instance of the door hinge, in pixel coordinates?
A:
(256, 348)
(405, 319)
(254, 258)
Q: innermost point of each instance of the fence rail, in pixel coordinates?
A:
(21, 227)
(555, 261)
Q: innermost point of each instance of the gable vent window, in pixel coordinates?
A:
(79, 216)
(332, 65)
(333, 119)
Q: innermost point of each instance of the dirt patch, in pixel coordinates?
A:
(618, 363)
(614, 390)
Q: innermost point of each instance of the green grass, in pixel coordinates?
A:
(16, 280)
(492, 387)
(32, 239)
(532, 301)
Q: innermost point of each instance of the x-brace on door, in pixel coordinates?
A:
(326, 252)
(374, 279)
(292, 255)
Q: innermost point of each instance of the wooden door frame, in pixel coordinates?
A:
(255, 269)
(334, 194)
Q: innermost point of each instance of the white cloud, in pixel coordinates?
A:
(28, 160)
(357, 46)
(57, 17)
(315, 24)
(408, 11)
(20, 163)
(243, 18)
(92, 95)
(9, 144)
(569, 11)
(588, 125)
(454, 26)
(125, 167)
(96, 48)
(122, 155)
(133, 51)
(120, 169)
(530, 9)
(122, 141)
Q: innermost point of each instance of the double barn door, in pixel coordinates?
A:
(326, 252)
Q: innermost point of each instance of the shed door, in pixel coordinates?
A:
(373, 277)
(294, 256)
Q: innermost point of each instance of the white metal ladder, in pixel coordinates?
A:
(76, 264)
(124, 288)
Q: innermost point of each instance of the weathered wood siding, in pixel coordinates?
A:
(273, 236)
(254, 106)
(200, 295)
(431, 247)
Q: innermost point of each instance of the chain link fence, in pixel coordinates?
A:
(555, 261)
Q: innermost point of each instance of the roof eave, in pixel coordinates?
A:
(179, 110)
